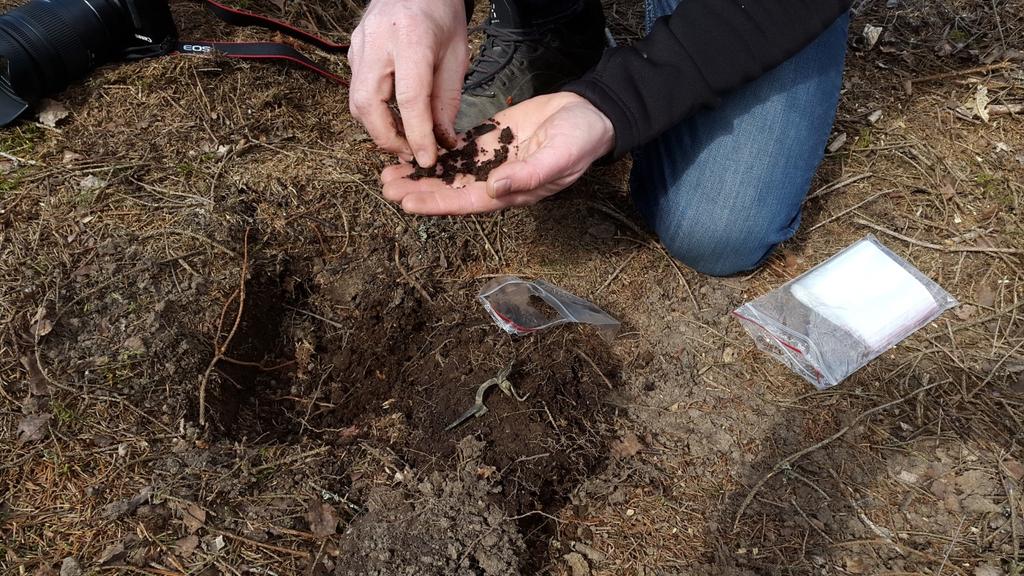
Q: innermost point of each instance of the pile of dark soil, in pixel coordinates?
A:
(470, 158)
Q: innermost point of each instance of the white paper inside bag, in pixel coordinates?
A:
(867, 293)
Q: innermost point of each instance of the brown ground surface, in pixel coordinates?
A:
(192, 210)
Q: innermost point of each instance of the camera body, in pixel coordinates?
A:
(45, 45)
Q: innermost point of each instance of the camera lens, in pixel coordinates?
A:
(47, 44)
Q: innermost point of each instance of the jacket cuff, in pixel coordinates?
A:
(604, 99)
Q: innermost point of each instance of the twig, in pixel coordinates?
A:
(327, 321)
(594, 366)
(992, 372)
(1011, 499)
(209, 241)
(938, 247)
(263, 545)
(487, 241)
(257, 365)
(220, 348)
(789, 460)
(945, 558)
(290, 459)
(1001, 109)
(839, 184)
(125, 568)
(409, 279)
(19, 160)
(616, 273)
(964, 72)
(847, 211)
(808, 520)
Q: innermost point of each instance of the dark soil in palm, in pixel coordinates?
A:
(469, 159)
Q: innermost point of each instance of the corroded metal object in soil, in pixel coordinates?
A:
(479, 408)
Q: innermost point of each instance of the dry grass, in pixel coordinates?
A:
(121, 239)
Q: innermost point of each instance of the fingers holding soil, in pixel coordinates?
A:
(484, 148)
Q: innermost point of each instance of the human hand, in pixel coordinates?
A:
(416, 51)
(556, 137)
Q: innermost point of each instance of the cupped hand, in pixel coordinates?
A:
(556, 138)
(415, 51)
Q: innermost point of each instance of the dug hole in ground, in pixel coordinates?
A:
(207, 225)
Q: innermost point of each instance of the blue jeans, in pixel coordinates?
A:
(724, 187)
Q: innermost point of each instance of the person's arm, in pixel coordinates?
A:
(705, 49)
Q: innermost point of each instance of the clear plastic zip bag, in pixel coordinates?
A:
(832, 320)
(523, 307)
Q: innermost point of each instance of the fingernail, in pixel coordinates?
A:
(501, 187)
(423, 154)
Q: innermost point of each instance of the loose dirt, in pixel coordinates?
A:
(469, 158)
(122, 242)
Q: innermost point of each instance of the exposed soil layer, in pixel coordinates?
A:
(414, 368)
(469, 159)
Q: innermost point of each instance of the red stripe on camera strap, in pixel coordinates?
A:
(275, 51)
(245, 18)
(258, 51)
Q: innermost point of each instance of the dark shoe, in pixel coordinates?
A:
(517, 64)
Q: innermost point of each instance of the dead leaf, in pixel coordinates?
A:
(854, 565)
(321, 519)
(729, 355)
(41, 328)
(51, 112)
(977, 104)
(985, 296)
(119, 508)
(193, 516)
(947, 186)
(135, 344)
(70, 156)
(110, 553)
(871, 35)
(69, 567)
(33, 428)
(791, 262)
(626, 447)
(1014, 469)
(214, 544)
(965, 311)
(988, 570)
(90, 183)
(37, 384)
(187, 545)
(577, 564)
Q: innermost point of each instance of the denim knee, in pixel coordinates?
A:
(722, 249)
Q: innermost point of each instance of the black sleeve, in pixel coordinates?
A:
(693, 57)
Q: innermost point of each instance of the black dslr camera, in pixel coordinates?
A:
(46, 45)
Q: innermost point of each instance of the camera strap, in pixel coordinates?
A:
(274, 51)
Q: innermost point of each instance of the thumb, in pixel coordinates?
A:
(541, 167)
